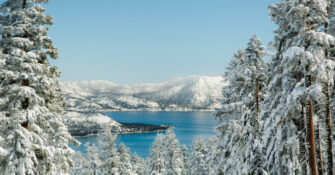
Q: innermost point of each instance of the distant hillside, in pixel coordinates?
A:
(88, 123)
(187, 93)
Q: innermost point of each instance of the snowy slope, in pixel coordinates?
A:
(187, 93)
(88, 123)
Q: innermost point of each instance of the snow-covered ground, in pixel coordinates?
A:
(186, 93)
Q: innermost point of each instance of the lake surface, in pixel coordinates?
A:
(188, 126)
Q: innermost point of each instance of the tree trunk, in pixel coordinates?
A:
(308, 25)
(24, 3)
(311, 140)
(25, 125)
(258, 155)
(257, 99)
(330, 139)
(318, 135)
(25, 82)
(310, 125)
(302, 139)
(25, 104)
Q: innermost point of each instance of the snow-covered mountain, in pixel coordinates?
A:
(187, 93)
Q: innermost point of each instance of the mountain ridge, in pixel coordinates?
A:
(179, 94)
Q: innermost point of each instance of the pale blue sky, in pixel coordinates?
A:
(134, 41)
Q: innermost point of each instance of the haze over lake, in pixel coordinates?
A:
(187, 126)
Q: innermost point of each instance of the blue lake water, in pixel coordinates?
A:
(188, 126)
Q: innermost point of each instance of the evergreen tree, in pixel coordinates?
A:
(215, 155)
(230, 150)
(107, 159)
(109, 155)
(295, 91)
(125, 166)
(157, 159)
(185, 153)
(174, 158)
(198, 158)
(254, 83)
(330, 93)
(78, 162)
(239, 121)
(229, 118)
(140, 165)
(88, 163)
(34, 137)
(166, 157)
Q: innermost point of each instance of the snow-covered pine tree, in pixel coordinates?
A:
(166, 157)
(214, 156)
(185, 153)
(253, 96)
(87, 163)
(78, 161)
(106, 159)
(232, 92)
(330, 91)
(299, 71)
(109, 155)
(229, 117)
(157, 159)
(197, 159)
(174, 158)
(35, 138)
(239, 119)
(125, 166)
(140, 165)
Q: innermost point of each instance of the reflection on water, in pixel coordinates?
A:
(188, 126)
